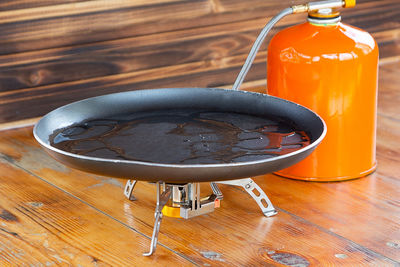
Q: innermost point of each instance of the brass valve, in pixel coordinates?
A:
(314, 6)
(349, 3)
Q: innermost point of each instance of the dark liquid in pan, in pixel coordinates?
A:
(182, 137)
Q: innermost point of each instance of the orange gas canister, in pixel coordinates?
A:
(331, 68)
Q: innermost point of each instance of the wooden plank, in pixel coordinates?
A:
(112, 24)
(235, 234)
(104, 25)
(372, 16)
(389, 94)
(151, 43)
(18, 124)
(8, 5)
(214, 43)
(24, 70)
(18, 10)
(41, 225)
(72, 9)
(388, 149)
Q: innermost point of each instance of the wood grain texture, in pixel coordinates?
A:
(9, 5)
(64, 25)
(214, 44)
(41, 227)
(56, 52)
(353, 223)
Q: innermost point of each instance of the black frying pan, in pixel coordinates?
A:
(179, 98)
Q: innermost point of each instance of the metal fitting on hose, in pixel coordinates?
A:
(349, 3)
(312, 6)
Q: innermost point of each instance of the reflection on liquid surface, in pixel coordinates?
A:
(181, 136)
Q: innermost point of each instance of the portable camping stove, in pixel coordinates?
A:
(184, 201)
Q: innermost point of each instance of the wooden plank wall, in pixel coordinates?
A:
(53, 52)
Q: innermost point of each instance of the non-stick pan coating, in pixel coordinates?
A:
(179, 98)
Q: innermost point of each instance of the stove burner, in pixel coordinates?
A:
(184, 201)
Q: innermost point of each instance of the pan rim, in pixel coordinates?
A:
(179, 166)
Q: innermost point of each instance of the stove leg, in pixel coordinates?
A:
(256, 193)
(162, 198)
(154, 236)
(128, 191)
(216, 191)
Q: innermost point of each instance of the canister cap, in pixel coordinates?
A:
(324, 16)
(324, 13)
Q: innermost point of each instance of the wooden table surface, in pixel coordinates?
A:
(54, 215)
